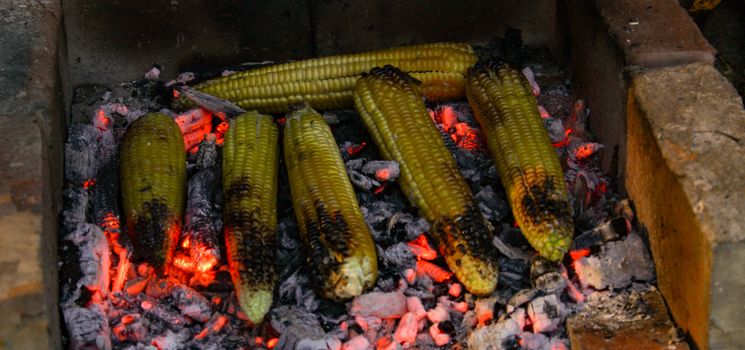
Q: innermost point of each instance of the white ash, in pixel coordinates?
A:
(94, 258)
(87, 327)
(546, 313)
(191, 303)
(521, 298)
(494, 336)
(617, 265)
(381, 305)
(378, 211)
(361, 180)
(555, 128)
(609, 310)
(399, 255)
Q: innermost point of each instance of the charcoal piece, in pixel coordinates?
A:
(540, 266)
(494, 335)
(550, 283)
(87, 327)
(608, 231)
(295, 324)
(171, 340)
(211, 103)
(416, 227)
(512, 274)
(201, 220)
(382, 170)
(81, 161)
(377, 212)
(511, 252)
(423, 295)
(521, 298)
(94, 258)
(355, 164)
(400, 256)
(617, 265)
(287, 233)
(377, 304)
(206, 155)
(492, 206)
(546, 313)
(361, 180)
(191, 303)
(533, 341)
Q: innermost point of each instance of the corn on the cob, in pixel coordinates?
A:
(328, 82)
(399, 123)
(340, 248)
(250, 161)
(153, 175)
(504, 105)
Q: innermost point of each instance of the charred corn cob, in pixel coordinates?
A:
(399, 123)
(250, 161)
(328, 82)
(504, 105)
(340, 248)
(153, 175)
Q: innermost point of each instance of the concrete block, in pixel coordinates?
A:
(31, 122)
(685, 173)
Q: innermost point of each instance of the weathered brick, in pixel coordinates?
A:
(655, 33)
(686, 146)
(31, 125)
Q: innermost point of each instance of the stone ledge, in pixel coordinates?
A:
(686, 145)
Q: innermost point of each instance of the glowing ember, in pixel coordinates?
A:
(271, 343)
(438, 274)
(565, 142)
(421, 248)
(449, 117)
(184, 262)
(352, 150)
(383, 174)
(580, 253)
(88, 183)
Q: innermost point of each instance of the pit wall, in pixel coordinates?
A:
(675, 133)
(646, 73)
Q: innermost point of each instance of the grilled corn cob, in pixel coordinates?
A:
(504, 105)
(328, 82)
(399, 123)
(153, 175)
(340, 248)
(250, 160)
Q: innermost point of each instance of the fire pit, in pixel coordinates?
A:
(618, 169)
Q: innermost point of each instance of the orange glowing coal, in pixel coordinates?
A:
(437, 273)
(383, 174)
(579, 253)
(565, 142)
(421, 248)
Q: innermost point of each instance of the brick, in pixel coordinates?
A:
(593, 332)
(31, 124)
(686, 146)
(654, 33)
